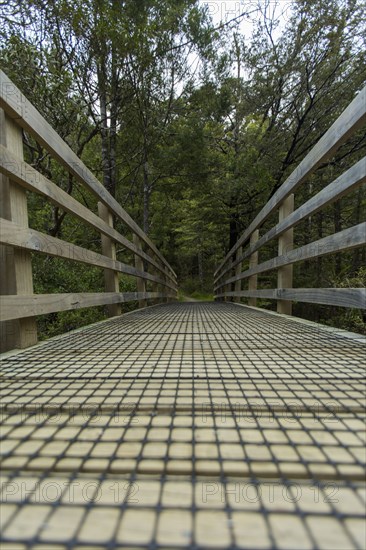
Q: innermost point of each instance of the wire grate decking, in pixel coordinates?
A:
(186, 425)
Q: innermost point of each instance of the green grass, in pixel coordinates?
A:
(202, 296)
(196, 295)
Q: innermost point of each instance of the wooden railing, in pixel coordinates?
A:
(229, 275)
(19, 305)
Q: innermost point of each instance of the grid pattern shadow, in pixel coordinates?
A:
(195, 425)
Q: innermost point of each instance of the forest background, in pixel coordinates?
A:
(192, 114)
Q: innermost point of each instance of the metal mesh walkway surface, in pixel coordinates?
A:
(194, 425)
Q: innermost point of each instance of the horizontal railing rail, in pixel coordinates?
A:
(230, 274)
(19, 304)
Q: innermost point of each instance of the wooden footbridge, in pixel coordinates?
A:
(177, 425)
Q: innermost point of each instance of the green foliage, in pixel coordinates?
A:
(347, 318)
(199, 128)
(202, 296)
(65, 321)
(357, 281)
(340, 317)
(194, 296)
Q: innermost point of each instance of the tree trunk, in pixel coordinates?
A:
(104, 129)
(233, 228)
(337, 227)
(146, 192)
(113, 129)
(357, 251)
(319, 260)
(234, 216)
(200, 266)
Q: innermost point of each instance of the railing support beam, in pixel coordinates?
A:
(139, 264)
(16, 265)
(228, 286)
(285, 245)
(111, 279)
(155, 286)
(253, 262)
(237, 272)
(168, 299)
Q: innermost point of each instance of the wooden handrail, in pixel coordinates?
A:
(342, 297)
(343, 240)
(19, 305)
(17, 107)
(353, 117)
(347, 182)
(29, 239)
(26, 176)
(40, 304)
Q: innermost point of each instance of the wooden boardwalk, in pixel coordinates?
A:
(193, 425)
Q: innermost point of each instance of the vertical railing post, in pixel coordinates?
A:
(228, 286)
(155, 286)
(139, 264)
(111, 279)
(222, 289)
(237, 272)
(16, 265)
(164, 288)
(285, 244)
(218, 290)
(253, 262)
(173, 297)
